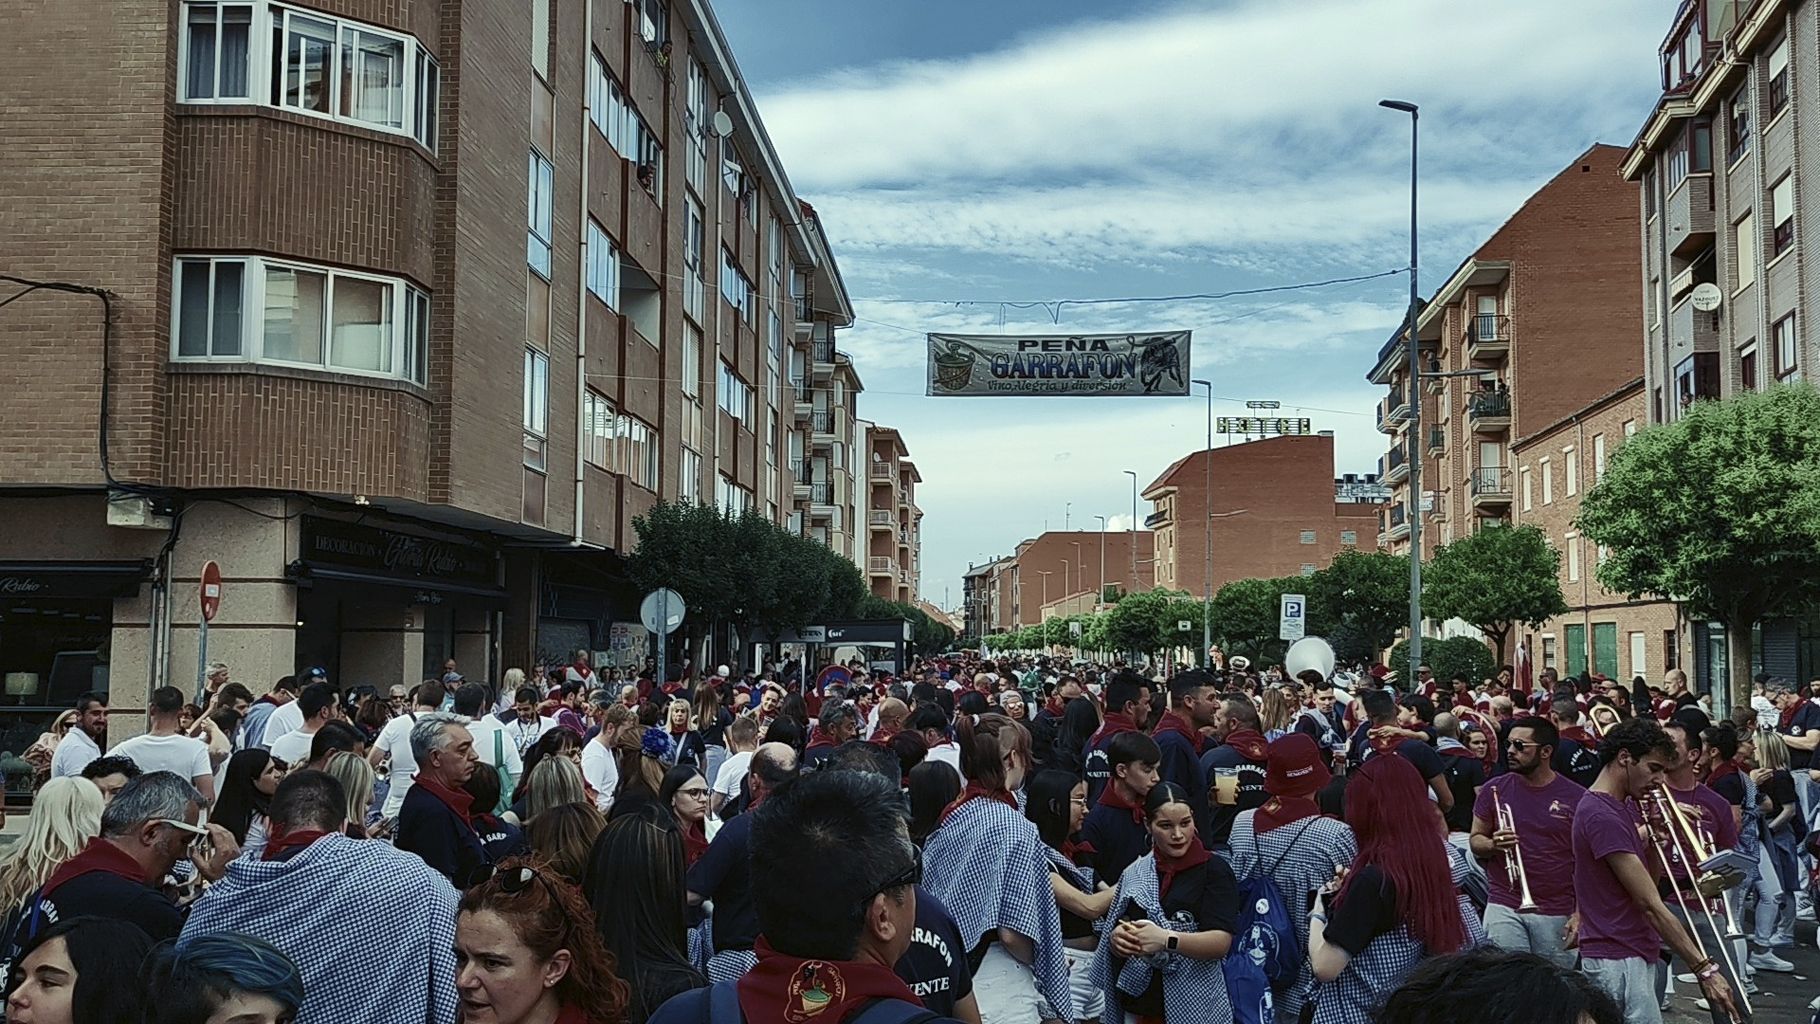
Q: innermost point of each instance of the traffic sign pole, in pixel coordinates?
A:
(209, 602)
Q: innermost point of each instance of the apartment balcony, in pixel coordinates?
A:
(881, 519)
(1690, 330)
(881, 565)
(1490, 487)
(1155, 519)
(1393, 411)
(905, 577)
(1394, 466)
(821, 423)
(799, 475)
(821, 355)
(1487, 338)
(1437, 439)
(1489, 411)
(882, 472)
(822, 494)
(1687, 216)
(805, 317)
(1399, 522)
(802, 399)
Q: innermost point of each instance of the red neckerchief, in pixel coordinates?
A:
(582, 670)
(883, 736)
(973, 790)
(1116, 722)
(1109, 797)
(284, 845)
(1462, 700)
(819, 738)
(268, 699)
(1578, 735)
(1168, 867)
(457, 800)
(1788, 715)
(99, 855)
(1172, 722)
(1072, 850)
(695, 843)
(1720, 771)
(1250, 743)
(1055, 705)
(787, 988)
(1283, 810)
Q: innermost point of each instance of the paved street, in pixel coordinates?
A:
(1781, 999)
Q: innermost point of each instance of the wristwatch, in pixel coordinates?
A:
(1172, 942)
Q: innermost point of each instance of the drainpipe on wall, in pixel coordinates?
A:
(581, 280)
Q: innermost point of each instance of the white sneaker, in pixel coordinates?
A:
(1767, 961)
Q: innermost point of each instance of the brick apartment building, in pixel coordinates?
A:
(1722, 167)
(894, 531)
(1602, 631)
(1053, 568)
(343, 244)
(1273, 511)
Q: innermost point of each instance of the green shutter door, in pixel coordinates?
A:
(1575, 655)
(1605, 649)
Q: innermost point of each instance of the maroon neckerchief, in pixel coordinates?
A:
(818, 737)
(1168, 867)
(98, 856)
(1172, 722)
(973, 790)
(695, 843)
(1116, 722)
(1788, 714)
(581, 669)
(1720, 771)
(285, 845)
(457, 800)
(787, 988)
(1110, 797)
(1578, 735)
(268, 699)
(1283, 810)
(1250, 743)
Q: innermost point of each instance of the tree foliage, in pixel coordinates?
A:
(1365, 596)
(1446, 656)
(1719, 510)
(1495, 579)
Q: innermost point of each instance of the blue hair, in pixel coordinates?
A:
(196, 976)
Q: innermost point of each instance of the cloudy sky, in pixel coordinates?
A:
(965, 154)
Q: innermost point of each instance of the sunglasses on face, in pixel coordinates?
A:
(1519, 746)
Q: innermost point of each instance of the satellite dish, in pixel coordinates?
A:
(723, 125)
(1707, 297)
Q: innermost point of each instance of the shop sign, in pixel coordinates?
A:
(28, 580)
(402, 556)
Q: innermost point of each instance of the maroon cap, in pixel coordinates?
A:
(1295, 767)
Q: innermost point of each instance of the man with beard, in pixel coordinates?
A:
(82, 743)
(1541, 805)
(1235, 769)
(1194, 707)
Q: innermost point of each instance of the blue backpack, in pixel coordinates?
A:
(719, 1004)
(1266, 953)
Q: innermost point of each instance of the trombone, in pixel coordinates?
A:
(1711, 884)
(1513, 859)
(1683, 838)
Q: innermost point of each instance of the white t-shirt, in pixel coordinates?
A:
(288, 718)
(1767, 715)
(525, 734)
(74, 752)
(181, 756)
(947, 752)
(601, 770)
(485, 730)
(732, 773)
(293, 748)
(395, 739)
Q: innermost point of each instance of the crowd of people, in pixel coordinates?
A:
(1002, 841)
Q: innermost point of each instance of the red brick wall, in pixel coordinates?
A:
(1055, 553)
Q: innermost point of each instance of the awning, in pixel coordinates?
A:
(307, 574)
(46, 580)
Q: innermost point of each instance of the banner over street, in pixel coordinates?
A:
(1123, 365)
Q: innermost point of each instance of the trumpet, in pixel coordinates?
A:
(1513, 860)
(1682, 840)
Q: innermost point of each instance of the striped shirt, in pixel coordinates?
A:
(1301, 857)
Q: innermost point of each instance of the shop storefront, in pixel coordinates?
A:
(56, 627)
(378, 606)
(585, 602)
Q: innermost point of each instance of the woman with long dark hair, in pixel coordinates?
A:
(246, 795)
(555, 743)
(1080, 720)
(933, 786)
(81, 971)
(684, 793)
(527, 952)
(1056, 803)
(1178, 899)
(1399, 903)
(635, 880)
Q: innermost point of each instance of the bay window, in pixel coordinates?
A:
(254, 309)
(599, 424)
(638, 451)
(735, 286)
(308, 62)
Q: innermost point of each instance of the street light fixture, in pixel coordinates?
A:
(1132, 473)
(1045, 574)
(1099, 596)
(1415, 402)
(1207, 534)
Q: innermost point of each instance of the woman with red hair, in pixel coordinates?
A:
(527, 952)
(1398, 904)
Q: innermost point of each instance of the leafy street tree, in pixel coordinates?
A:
(1445, 656)
(1720, 511)
(1495, 579)
(1365, 595)
(1146, 622)
(1246, 614)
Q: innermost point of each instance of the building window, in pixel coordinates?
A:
(1308, 536)
(1677, 162)
(250, 309)
(1570, 468)
(691, 368)
(1744, 237)
(1778, 78)
(638, 452)
(1548, 653)
(690, 488)
(695, 234)
(540, 213)
(1782, 213)
(1649, 193)
(653, 21)
(735, 396)
(1349, 538)
(1630, 428)
(1573, 557)
(736, 286)
(695, 123)
(536, 409)
(1700, 146)
(1747, 367)
(733, 173)
(598, 424)
(603, 265)
(1740, 125)
(1548, 482)
(1782, 340)
(1527, 490)
(319, 65)
(622, 126)
(1308, 568)
(1598, 458)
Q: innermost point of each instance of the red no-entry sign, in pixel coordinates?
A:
(210, 591)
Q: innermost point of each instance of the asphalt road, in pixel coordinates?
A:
(1780, 999)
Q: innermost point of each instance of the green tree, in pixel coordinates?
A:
(1719, 510)
(1247, 613)
(1145, 622)
(1495, 579)
(1365, 598)
(1446, 657)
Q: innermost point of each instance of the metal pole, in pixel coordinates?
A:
(663, 619)
(1133, 583)
(1207, 536)
(1100, 593)
(1415, 403)
(202, 660)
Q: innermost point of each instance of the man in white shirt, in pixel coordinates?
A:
(742, 739)
(491, 744)
(82, 743)
(288, 718)
(527, 726)
(162, 749)
(599, 761)
(394, 742)
(319, 708)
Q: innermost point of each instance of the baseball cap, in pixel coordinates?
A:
(1294, 767)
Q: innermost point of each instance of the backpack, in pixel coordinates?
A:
(506, 782)
(1266, 954)
(719, 1004)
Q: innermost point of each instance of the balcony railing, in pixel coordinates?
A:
(822, 351)
(821, 422)
(1437, 438)
(1393, 409)
(1155, 519)
(822, 494)
(1399, 514)
(799, 467)
(882, 471)
(804, 309)
(1491, 482)
(880, 564)
(880, 517)
(1482, 405)
(1487, 334)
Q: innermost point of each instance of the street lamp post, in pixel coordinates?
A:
(1132, 473)
(1100, 594)
(1415, 401)
(1207, 534)
(1045, 574)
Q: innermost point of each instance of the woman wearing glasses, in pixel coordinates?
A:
(685, 793)
(526, 952)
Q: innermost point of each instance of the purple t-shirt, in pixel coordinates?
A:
(1717, 829)
(1611, 926)
(1545, 821)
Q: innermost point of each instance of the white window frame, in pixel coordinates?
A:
(420, 76)
(638, 465)
(1572, 542)
(1782, 208)
(695, 283)
(689, 486)
(536, 418)
(603, 265)
(619, 122)
(1598, 458)
(1349, 538)
(599, 425)
(1548, 482)
(1528, 490)
(735, 396)
(1744, 240)
(540, 213)
(409, 318)
(691, 367)
(1570, 471)
(735, 286)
